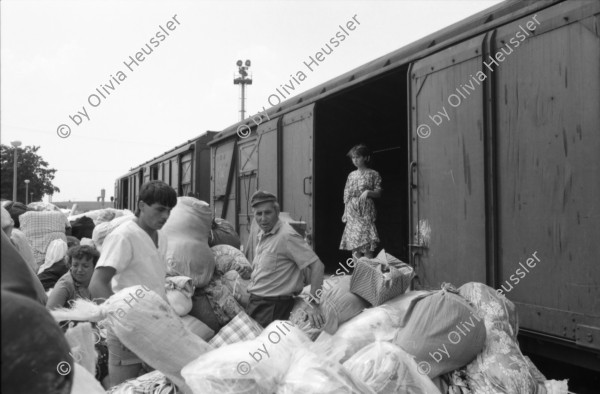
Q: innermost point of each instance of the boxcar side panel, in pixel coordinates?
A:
(548, 111)
(297, 164)
(448, 200)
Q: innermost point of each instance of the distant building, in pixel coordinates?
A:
(84, 206)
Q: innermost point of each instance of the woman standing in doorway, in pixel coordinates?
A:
(363, 185)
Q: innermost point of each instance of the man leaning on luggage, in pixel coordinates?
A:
(277, 269)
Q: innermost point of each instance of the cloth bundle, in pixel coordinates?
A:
(41, 228)
(223, 303)
(228, 258)
(337, 302)
(154, 382)
(500, 367)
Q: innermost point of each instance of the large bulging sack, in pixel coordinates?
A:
(380, 323)
(187, 231)
(101, 230)
(386, 368)
(443, 332)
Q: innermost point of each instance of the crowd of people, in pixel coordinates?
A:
(134, 254)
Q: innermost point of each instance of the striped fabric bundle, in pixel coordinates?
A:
(41, 228)
(240, 328)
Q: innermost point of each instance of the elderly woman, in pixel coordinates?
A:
(81, 261)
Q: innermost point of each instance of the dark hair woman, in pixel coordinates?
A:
(363, 185)
(80, 261)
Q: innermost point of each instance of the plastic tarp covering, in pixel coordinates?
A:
(386, 368)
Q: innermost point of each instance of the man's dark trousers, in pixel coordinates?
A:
(265, 310)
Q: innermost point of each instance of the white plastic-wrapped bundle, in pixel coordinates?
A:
(147, 325)
(81, 341)
(370, 325)
(309, 372)
(386, 368)
(187, 230)
(226, 370)
(101, 230)
(256, 366)
(179, 291)
(85, 382)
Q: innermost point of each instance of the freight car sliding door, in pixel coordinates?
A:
(548, 117)
(297, 164)
(447, 154)
(187, 169)
(248, 163)
(223, 185)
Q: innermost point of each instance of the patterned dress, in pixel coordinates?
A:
(360, 233)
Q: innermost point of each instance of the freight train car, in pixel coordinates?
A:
(487, 137)
(186, 168)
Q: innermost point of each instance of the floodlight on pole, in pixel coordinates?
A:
(15, 144)
(26, 191)
(243, 80)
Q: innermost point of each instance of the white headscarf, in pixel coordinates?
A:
(57, 250)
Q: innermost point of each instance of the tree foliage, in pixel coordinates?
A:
(30, 166)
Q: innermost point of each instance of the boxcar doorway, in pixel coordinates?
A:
(375, 114)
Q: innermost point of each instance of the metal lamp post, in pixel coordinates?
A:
(26, 191)
(15, 144)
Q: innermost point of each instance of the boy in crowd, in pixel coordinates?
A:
(134, 254)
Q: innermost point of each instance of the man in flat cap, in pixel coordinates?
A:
(280, 258)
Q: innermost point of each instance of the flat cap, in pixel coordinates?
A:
(261, 196)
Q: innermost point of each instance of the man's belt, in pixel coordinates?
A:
(277, 298)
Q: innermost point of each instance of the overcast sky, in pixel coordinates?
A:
(55, 54)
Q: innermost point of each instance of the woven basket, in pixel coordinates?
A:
(376, 286)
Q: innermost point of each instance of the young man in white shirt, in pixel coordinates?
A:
(134, 254)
